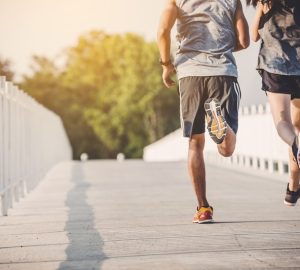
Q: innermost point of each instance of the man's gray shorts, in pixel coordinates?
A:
(194, 91)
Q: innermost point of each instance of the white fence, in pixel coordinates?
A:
(32, 140)
(258, 144)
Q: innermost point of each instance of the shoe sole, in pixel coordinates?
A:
(204, 221)
(288, 203)
(216, 131)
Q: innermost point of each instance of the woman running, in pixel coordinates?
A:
(277, 24)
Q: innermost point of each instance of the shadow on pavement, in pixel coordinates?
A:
(85, 249)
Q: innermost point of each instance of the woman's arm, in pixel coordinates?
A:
(261, 9)
(259, 12)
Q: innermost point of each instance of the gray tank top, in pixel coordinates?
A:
(280, 46)
(206, 38)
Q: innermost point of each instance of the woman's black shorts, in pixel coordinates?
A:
(281, 84)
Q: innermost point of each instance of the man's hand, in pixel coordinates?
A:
(168, 71)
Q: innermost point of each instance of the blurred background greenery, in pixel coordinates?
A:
(109, 94)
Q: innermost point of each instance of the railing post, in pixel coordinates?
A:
(15, 166)
(10, 134)
(2, 144)
(5, 149)
(22, 128)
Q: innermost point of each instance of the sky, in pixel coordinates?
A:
(47, 27)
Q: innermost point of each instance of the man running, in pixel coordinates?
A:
(208, 32)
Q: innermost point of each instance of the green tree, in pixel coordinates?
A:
(112, 85)
(5, 69)
(46, 86)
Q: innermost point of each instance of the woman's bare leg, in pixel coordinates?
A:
(294, 170)
(281, 112)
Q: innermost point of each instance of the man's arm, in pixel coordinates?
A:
(166, 23)
(241, 28)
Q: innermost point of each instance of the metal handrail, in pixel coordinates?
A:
(32, 141)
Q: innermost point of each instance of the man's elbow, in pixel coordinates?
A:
(245, 43)
(242, 33)
(242, 45)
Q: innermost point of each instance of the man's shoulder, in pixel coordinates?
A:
(173, 2)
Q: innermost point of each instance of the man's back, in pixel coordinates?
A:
(206, 37)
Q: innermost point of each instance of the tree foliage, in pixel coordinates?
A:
(5, 69)
(109, 94)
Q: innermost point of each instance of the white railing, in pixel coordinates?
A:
(258, 144)
(32, 140)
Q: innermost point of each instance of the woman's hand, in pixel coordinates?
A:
(264, 7)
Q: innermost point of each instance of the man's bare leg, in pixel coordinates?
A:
(227, 147)
(196, 168)
(217, 128)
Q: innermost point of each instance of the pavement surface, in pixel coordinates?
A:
(136, 215)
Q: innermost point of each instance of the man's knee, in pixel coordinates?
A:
(226, 151)
(197, 142)
(227, 147)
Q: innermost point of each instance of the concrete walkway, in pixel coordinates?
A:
(135, 215)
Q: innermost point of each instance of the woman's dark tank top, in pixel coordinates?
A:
(280, 34)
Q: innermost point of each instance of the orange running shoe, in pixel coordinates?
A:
(203, 215)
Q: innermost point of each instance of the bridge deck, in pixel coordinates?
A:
(136, 215)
